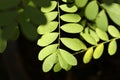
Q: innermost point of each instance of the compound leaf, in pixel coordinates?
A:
(112, 47)
(47, 39)
(98, 51)
(72, 28)
(73, 43)
(70, 17)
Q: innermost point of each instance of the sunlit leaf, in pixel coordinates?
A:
(47, 39)
(98, 51)
(102, 34)
(51, 15)
(62, 62)
(65, 8)
(50, 8)
(57, 67)
(112, 47)
(113, 31)
(72, 28)
(68, 57)
(88, 38)
(71, 17)
(3, 42)
(47, 28)
(102, 21)
(113, 11)
(88, 55)
(73, 43)
(91, 10)
(47, 51)
(81, 3)
(49, 62)
(94, 35)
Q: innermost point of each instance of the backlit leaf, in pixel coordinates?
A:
(51, 15)
(113, 31)
(49, 62)
(47, 28)
(98, 51)
(102, 34)
(72, 28)
(71, 17)
(47, 39)
(50, 8)
(102, 21)
(112, 47)
(81, 3)
(73, 43)
(88, 38)
(88, 55)
(68, 57)
(57, 67)
(3, 42)
(47, 51)
(65, 8)
(91, 10)
(113, 11)
(94, 35)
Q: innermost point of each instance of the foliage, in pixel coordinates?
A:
(94, 22)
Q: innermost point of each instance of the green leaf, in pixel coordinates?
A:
(102, 34)
(88, 55)
(102, 21)
(50, 8)
(98, 51)
(112, 47)
(72, 28)
(47, 39)
(47, 51)
(70, 17)
(47, 28)
(57, 67)
(113, 11)
(3, 42)
(51, 15)
(62, 62)
(113, 31)
(49, 62)
(68, 57)
(7, 4)
(65, 8)
(81, 3)
(94, 35)
(91, 10)
(73, 43)
(88, 38)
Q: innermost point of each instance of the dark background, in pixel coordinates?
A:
(20, 62)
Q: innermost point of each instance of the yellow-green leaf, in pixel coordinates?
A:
(88, 55)
(73, 43)
(65, 8)
(91, 10)
(70, 17)
(47, 51)
(68, 57)
(49, 62)
(112, 47)
(102, 34)
(81, 3)
(47, 28)
(47, 39)
(113, 31)
(57, 67)
(98, 51)
(102, 21)
(94, 35)
(72, 28)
